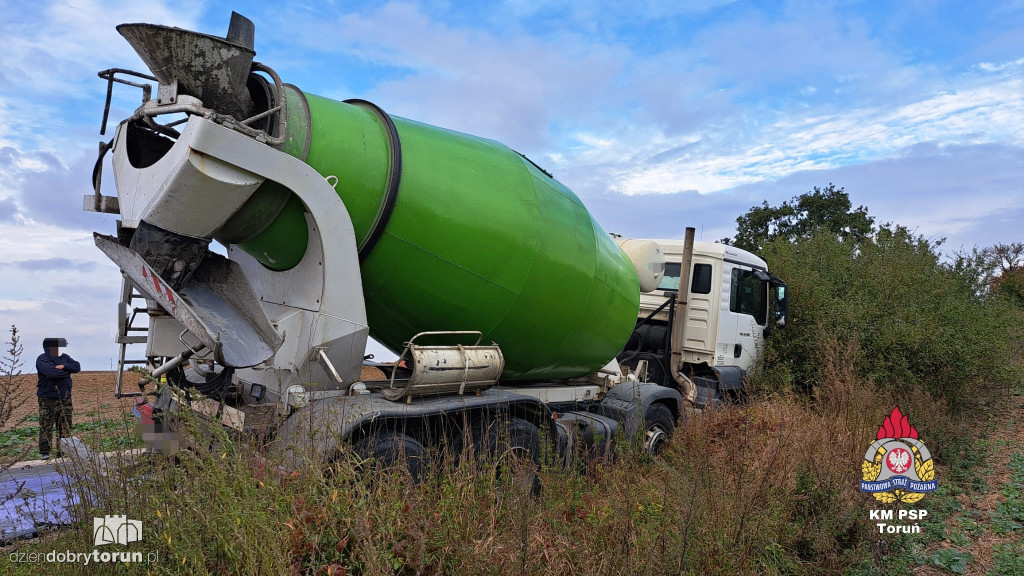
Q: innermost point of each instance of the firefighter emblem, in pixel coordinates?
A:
(897, 466)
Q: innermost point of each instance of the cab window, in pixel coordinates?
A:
(701, 283)
(749, 295)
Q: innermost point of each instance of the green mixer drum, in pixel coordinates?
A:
(457, 232)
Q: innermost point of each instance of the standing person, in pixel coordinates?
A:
(54, 392)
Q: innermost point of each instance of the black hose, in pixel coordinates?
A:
(215, 387)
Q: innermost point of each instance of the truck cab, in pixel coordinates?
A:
(733, 304)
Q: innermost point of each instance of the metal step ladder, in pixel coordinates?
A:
(129, 333)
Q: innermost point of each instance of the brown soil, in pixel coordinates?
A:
(1006, 439)
(92, 394)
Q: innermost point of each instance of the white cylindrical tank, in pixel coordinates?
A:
(648, 259)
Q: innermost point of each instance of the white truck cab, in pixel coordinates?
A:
(733, 303)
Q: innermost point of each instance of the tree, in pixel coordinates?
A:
(1007, 260)
(975, 268)
(828, 208)
(1006, 257)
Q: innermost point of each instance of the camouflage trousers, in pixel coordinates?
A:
(53, 412)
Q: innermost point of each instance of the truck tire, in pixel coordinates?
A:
(388, 449)
(512, 445)
(659, 423)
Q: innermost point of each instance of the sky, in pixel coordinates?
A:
(658, 114)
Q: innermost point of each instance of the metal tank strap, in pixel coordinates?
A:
(394, 178)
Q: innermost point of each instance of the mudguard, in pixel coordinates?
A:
(315, 432)
(627, 403)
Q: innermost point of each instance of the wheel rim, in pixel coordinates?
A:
(656, 438)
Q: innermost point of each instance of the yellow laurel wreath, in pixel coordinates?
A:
(909, 497)
(925, 470)
(871, 470)
(887, 497)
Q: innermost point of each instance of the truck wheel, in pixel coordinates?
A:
(658, 427)
(512, 445)
(388, 449)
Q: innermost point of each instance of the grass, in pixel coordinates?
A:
(769, 488)
(951, 559)
(952, 529)
(103, 435)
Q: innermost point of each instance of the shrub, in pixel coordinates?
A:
(915, 321)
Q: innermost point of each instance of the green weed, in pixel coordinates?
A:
(1009, 560)
(952, 560)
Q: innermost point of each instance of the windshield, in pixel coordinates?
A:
(670, 281)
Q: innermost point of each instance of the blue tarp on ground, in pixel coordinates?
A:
(42, 500)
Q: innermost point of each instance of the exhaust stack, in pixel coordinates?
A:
(211, 68)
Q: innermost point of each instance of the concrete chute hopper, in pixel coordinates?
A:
(211, 68)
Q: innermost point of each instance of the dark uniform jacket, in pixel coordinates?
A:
(54, 383)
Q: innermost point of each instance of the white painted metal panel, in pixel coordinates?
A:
(702, 315)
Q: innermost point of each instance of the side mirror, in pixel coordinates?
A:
(781, 302)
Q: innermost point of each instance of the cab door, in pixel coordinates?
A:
(748, 309)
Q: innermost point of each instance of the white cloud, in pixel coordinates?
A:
(59, 44)
(19, 243)
(511, 86)
(977, 111)
(50, 58)
(39, 188)
(751, 98)
(19, 305)
(969, 194)
(57, 283)
(991, 67)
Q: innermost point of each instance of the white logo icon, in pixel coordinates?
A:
(116, 530)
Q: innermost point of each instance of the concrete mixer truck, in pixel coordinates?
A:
(265, 233)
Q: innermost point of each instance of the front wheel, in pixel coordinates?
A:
(659, 423)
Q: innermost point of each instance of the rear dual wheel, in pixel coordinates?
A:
(388, 450)
(512, 446)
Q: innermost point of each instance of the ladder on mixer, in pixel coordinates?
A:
(128, 333)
